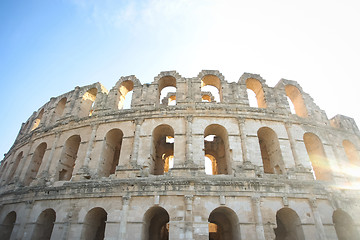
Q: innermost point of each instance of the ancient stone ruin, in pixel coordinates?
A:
(191, 158)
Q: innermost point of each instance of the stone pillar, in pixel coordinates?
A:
(292, 143)
(317, 218)
(135, 152)
(188, 217)
(241, 122)
(123, 220)
(258, 218)
(84, 170)
(20, 232)
(45, 173)
(189, 154)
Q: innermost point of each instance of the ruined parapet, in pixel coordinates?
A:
(188, 159)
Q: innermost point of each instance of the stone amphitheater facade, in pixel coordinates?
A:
(202, 162)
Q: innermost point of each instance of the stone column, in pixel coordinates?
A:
(292, 143)
(124, 214)
(241, 122)
(94, 128)
(189, 154)
(258, 218)
(21, 165)
(188, 217)
(317, 218)
(20, 232)
(135, 152)
(45, 173)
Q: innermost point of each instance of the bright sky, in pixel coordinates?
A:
(49, 47)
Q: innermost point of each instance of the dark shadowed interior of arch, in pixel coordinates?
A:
(223, 224)
(94, 224)
(255, 86)
(35, 163)
(59, 110)
(344, 226)
(216, 146)
(297, 100)
(44, 225)
(111, 152)
(288, 225)
(211, 83)
(156, 224)
(87, 103)
(15, 166)
(167, 90)
(68, 158)
(163, 148)
(317, 156)
(125, 93)
(7, 225)
(270, 151)
(37, 120)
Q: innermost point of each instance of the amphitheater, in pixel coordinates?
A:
(191, 158)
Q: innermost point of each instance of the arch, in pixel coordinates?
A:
(344, 226)
(167, 90)
(297, 100)
(216, 145)
(15, 166)
(111, 151)
(351, 152)
(212, 83)
(162, 147)
(316, 152)
(35, 163)
(87, 102)
(270, 151)
(7, 225)
(37, 120)
(59, 110)
(256, 87)
(156, 224)
(288, 225)
(94, 224)
(68, 157)
(223, 224)
(3, 167)
(125, 88)
(44, 225)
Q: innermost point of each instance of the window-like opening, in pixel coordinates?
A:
(94, 224)
(87, 103)
(125, 94)
(344, 226)
(223, 224)
(156, 224)
(288, 225)
(44, 225)
(163, 149)
(15, 166)
(255, 93)
(211, 83)
(59, 110)
(68, 157)
(167, 90)
(351, 152)
(111, 151)
(297, 100)
(270, 151)
(7, 225)
(206, 97)
(319, 162)
(291, 105)
(37, 120)
(35, 163)
(216, 145)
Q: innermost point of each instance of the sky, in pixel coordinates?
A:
(49, 47)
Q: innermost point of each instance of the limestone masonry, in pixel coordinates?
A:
(192, 158)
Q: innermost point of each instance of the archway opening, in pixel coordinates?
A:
(44, 225)
(59, 110)
(223, 224)
(87, 102)
(211, 83)
(216, 145)
(37, 120)
(288, 225)
(297, 100)
(163, 149)
(270, 151)
(15, 166)
(35, 163)
(7, 225)
(111, 151)
(68, 157)
(351, 152)
(125, 94)
(255, 93)
(94, 224)
(156, 224)
(167, 90)
(344, 226)
(319, 162)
